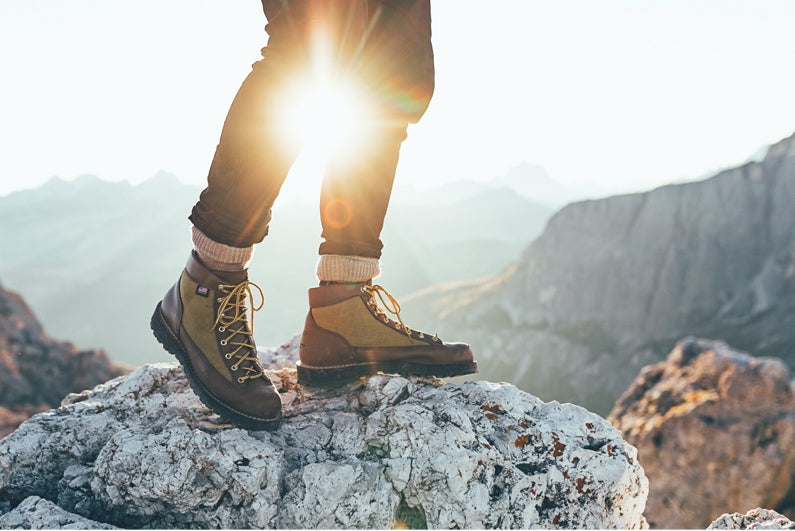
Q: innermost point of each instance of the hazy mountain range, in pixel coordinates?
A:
(92, 257)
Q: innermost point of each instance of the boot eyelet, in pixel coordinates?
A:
(221, 329)
(228, 355)
(241, 380)
(234, 367)
(223, 342)
(421, 335)
(219, 299)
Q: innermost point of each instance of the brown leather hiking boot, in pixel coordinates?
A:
(203, 321)
(348, 335)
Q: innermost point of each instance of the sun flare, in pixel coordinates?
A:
(321, 114)
(322, 110)
(327, 116)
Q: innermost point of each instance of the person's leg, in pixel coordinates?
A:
(204, 319)
(252, 158)
(396, 72)
(347, 332)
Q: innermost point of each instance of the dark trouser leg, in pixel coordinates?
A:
(252, 159)
(397, 72)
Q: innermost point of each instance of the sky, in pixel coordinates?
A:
(622, 94)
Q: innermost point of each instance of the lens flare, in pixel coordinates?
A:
(337, 213)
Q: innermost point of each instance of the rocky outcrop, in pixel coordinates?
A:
(36, 371)
(38, 513)
(715, 432)
(282, 357)
(753, 519)
(611, 284)
(141, 451)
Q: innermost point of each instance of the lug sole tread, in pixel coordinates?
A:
(333, 376)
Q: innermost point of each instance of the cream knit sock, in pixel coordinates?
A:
(339, 268)
(218, 256)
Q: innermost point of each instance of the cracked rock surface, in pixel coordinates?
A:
(142, 451)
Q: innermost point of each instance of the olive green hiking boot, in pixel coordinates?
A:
(348, 334)
(203, 321)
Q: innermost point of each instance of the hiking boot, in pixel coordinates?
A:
(348, 335)
(203, 321)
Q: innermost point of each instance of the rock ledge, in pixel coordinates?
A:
(141, 451)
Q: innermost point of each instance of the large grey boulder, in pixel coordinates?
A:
(141, 451)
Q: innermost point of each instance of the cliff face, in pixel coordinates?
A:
(611, 284)
(141, 451)
(715, 432)
(36, 371)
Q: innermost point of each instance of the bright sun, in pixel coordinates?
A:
(321, 114)
(326, 116)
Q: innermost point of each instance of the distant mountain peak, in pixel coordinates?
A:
(161, 179)
(534, 182)
(162, 175)
(523, 171)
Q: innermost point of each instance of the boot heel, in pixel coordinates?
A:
(333, 376)
(163, 333)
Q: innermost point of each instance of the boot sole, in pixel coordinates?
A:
(173, 345)
(332, 376)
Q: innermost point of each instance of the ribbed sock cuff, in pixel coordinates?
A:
(219, 256)
(339, 268)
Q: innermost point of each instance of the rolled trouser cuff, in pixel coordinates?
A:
(218, 255)
(340, 268)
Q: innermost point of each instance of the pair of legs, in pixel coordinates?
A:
(385, 47)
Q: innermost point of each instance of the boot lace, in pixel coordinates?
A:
(379, 293)
(233, 317)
